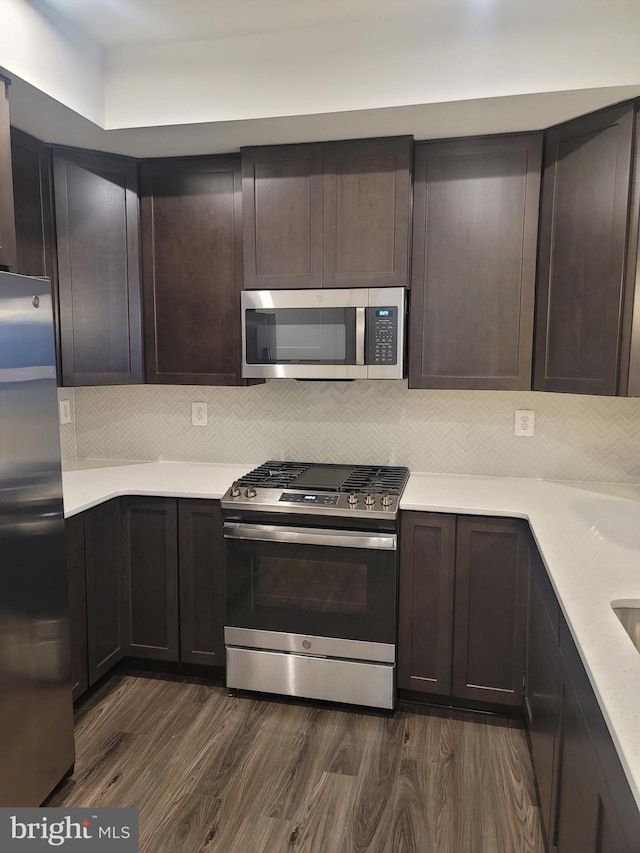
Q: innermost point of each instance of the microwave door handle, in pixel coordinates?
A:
(306, 536)
(360, 335)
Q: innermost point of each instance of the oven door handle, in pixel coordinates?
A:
(311, 536)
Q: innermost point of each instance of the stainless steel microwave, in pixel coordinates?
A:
(355, 333)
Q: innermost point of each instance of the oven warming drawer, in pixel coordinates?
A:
(330, 679)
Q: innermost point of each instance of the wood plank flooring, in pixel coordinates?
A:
(235, 774)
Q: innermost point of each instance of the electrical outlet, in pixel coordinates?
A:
(525, 422)
(64, 407)
(199, 415)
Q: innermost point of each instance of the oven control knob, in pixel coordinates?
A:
(235, 490)
(386, 499)
(352, 500)
(369, 500)
(250, 492)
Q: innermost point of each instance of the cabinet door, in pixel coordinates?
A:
(427, 563)
(541, 681)
(150, 556)
(30, 160)
(192, 270)
(367, 203)
(7, 222)
(583, 234)
(96, 204)
(576, 807)
(201, 582)
(475, 218)
(105, 606)
(77, 589)
(282, 216)
(490, 609)
(31, 165)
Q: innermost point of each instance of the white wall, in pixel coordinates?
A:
(46, 51)
(406, 58)
(400, 55)
(576, 437)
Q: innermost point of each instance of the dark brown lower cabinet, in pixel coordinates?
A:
(150, 574)
(540, 699)
(427, 567)
(77, 596)
(153, 585)
(474, 650)
(201, 582)
(492, 564)
(586, 803)
(585, 816)
(105, 599)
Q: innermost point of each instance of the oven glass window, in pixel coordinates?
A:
(300, 335)
(311, 589)
(323, 587)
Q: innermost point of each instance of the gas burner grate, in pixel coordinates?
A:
(362, 478)
(375, 479)
(274, 475)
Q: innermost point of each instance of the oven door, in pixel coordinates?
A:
(311, 581)
(304, 334)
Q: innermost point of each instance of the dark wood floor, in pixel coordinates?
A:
(210, 772)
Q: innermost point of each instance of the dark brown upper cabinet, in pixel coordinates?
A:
(334, 214)
(191, 213)
(475, 221)
(31, 165)
(96, 206)
(581, 264)
(7, 222)
(33, 199)
(367, 192)
(282, 216)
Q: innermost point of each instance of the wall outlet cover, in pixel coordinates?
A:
(525, 422)
(199, 414)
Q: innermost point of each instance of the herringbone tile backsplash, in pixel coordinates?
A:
(458, 432)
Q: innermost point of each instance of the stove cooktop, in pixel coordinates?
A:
(310, 487)
(332, 478)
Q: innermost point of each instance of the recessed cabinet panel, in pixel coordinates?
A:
(282, 203)
(426, 602)
(30, 161)
(99, 282)
(105, 600)
(192, 269)
(201, 582)
(367, 187)
(473, 273)
(583, 238)
(490, 609)
(151, 577)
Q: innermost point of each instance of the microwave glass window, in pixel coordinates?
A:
(300, 335)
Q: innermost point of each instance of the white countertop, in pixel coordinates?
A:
(588, 535)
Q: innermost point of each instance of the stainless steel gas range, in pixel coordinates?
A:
(311, 581)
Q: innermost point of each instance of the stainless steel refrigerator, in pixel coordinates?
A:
(36, 713)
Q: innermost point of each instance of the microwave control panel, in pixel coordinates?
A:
(382, 335)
